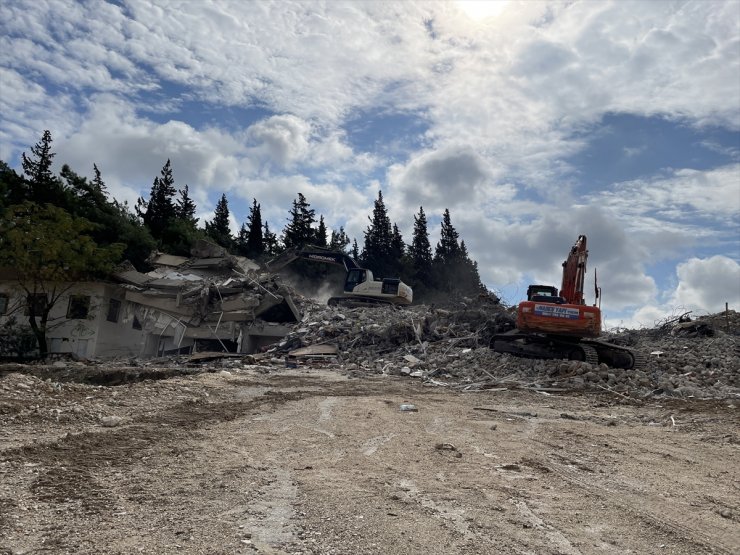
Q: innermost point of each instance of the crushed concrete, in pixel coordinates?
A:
(448, 347)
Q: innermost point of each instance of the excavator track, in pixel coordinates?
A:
(551, 347)
(616, 356)
(358, 302)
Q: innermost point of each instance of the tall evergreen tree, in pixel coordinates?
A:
(185, 207)
(218, 228)
(299, 232)
(355, 250)
(398, 247)
(321, 234)
(420, 251)
(240, 242)
(255, 239)
(377, 253)
(446, 255)
(159, 210)
(272, 246)
(470, 282)
(43, 186)
(339, 240)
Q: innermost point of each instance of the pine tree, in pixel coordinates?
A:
(398, 247)
(448, 248)
(355, 250)
(339, 240)
(321, 239)
(446, 256)
(272, 247)
(377, 253)
(469, 278)
(420, 252)
(299, 232)
(98, 183)
(43, 186)
(240, 243)
(218, 228)
(159, 211)
(255, 240)
(185, 207)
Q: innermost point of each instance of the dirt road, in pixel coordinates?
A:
(308, 461)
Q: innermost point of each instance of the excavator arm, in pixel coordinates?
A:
(312, 253)
(574, 273)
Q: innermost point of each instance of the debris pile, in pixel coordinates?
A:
(211, 296)
(450, 347)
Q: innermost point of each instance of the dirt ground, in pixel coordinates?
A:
(308, 461)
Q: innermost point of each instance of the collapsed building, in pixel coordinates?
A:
(210, 301)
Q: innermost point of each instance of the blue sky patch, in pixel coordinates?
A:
(626, 147)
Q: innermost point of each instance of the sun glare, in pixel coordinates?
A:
(478, 10)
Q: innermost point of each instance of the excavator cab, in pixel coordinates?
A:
(354, 278)
(544, 294)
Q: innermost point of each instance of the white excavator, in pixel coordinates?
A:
(361, 288)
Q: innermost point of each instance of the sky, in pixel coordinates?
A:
(532, 122)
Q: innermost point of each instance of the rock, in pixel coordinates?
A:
(111, 421)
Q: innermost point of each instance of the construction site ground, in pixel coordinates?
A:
(308, 460)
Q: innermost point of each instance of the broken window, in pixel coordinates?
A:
(37, 301)
(137, 324)
(3, 303)
(79, 306)
(114, 309)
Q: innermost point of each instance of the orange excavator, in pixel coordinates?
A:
(560, 325)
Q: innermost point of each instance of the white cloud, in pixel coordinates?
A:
(439, 179)
(283, 139)
(505, 102)
(707, 284)
(703, 286)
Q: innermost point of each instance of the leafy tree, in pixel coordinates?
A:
(159, 210)
(113, 222)
(377, 253)
(12, 186)
(218, 229)
(299, 231)
(420, 252)
(255, 240)
(50, 251)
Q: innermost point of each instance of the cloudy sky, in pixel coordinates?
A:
(533, 122)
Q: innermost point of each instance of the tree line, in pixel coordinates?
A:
(113, 231)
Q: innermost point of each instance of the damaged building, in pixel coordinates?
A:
(212, 301)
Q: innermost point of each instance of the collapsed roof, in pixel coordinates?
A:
(212, 294)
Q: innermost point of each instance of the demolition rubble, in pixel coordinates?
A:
(448, 347)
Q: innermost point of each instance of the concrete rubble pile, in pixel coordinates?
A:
(211, 296)
(449, 347)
